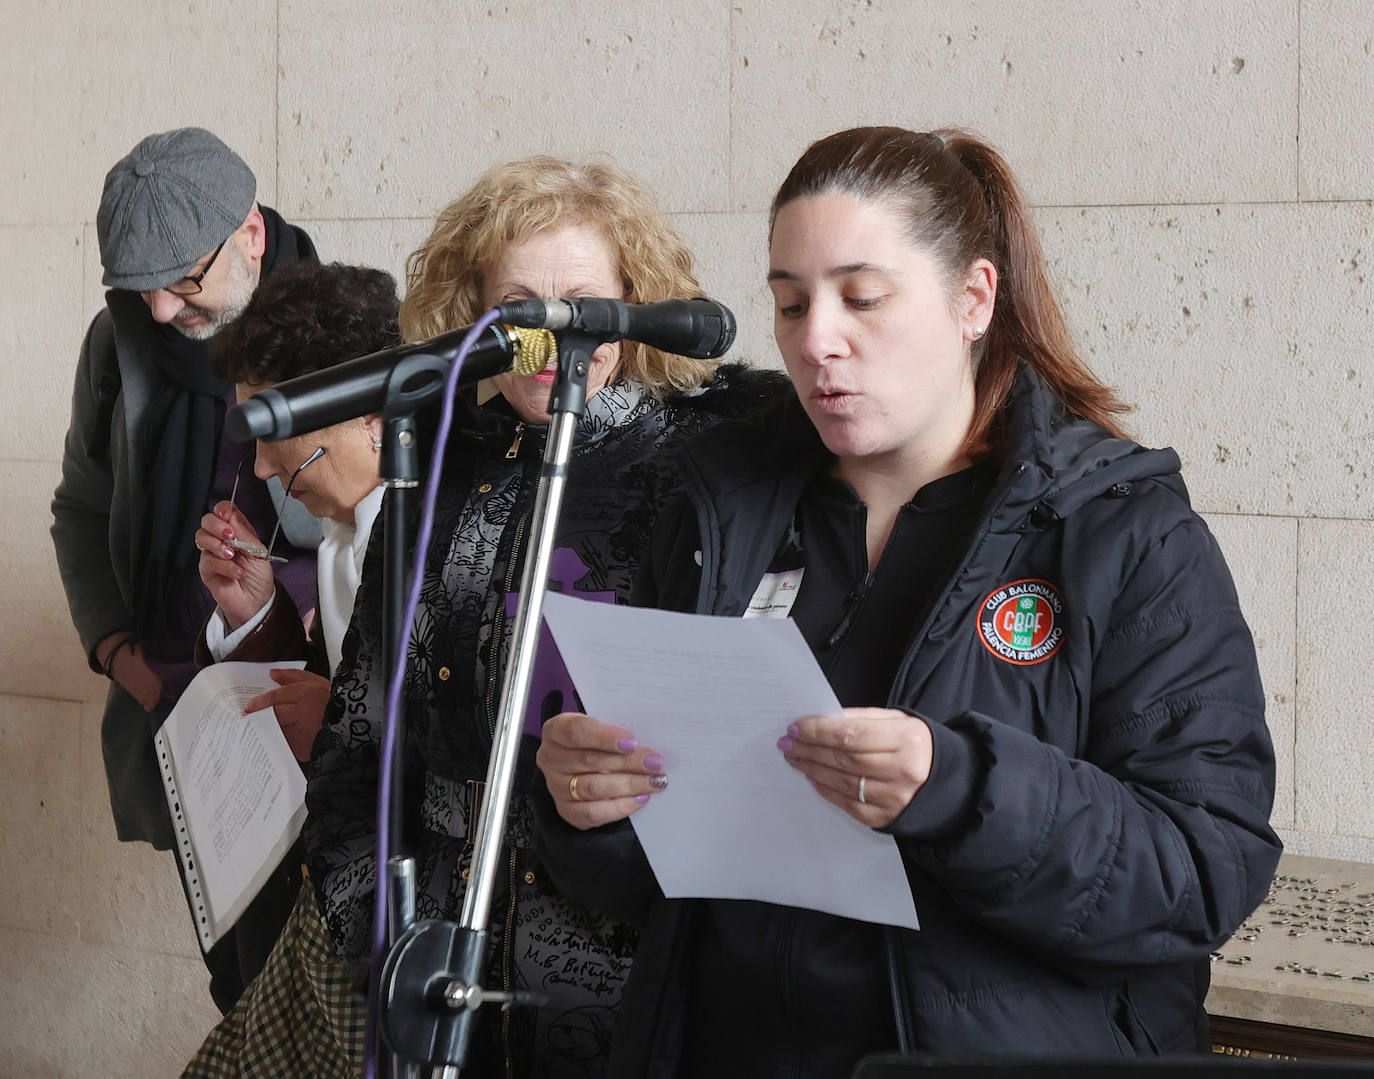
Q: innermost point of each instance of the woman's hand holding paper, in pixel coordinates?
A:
(870, 762)
(597, 773)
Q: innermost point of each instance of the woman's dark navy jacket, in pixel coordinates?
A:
(1095, 823)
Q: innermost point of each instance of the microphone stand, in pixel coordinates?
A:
(399, 470)
(431, 982)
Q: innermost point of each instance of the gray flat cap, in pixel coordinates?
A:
(171, 201)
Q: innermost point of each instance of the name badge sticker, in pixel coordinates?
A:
(776, 593)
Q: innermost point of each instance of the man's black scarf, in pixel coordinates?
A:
(182, 428)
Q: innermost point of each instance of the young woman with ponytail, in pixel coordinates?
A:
(1051, 698)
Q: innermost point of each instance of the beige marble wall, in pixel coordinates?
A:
(1201, 171)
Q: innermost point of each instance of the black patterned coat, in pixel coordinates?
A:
(622, 473)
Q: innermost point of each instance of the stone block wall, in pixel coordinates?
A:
(1202, 173)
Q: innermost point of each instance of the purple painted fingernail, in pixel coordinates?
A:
(659, 783)
(785, 744)
(794, 730)
(641, 798)
(627, 745)
(653, 762)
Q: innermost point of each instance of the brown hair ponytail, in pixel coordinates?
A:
(961, 202)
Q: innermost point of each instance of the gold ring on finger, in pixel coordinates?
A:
(572, 789)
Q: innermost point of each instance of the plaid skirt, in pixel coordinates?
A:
(298, 1019)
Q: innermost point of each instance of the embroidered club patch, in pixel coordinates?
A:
(1020, 622)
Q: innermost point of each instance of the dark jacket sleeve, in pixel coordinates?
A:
(602, 868)
(81, 503)
(279, 636)
(1150, 843)
(606, 868)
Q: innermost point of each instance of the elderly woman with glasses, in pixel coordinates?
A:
(305, 318)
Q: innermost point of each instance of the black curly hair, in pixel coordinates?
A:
(305, 317)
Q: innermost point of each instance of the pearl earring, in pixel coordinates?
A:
(376, 443)
(978, 332)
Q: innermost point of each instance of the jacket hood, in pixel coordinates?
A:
(1056, 462)
(734, 390)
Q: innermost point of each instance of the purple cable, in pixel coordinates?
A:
(393, 694)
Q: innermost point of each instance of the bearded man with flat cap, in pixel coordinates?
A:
(183, 244)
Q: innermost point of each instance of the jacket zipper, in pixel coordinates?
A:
(508, 966)
(894, 989)
(493, 706)
(856, 598)
(499, 627)
(979, 534)
(785, 949)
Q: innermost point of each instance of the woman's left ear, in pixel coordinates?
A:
(373, 423)
(980, 297)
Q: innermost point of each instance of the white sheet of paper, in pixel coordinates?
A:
(241, 792)
(714, 695)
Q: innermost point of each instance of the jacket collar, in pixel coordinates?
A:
(1054, 462)
(614, 406)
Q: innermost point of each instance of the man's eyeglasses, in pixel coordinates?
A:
(191, 283)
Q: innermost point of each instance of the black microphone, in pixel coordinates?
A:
(407, 374)
(702, 328)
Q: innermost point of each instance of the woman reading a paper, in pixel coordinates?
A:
(304, 318)
(1051, 698)
(311, 318)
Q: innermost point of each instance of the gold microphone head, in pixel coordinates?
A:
(532, 349)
